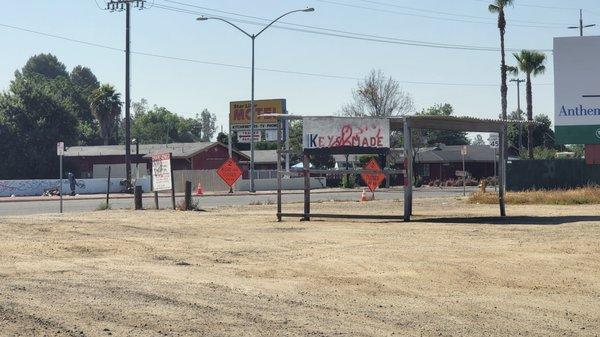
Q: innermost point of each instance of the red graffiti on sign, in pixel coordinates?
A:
(363, 136)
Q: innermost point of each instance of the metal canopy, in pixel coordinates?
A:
(405, 124)
(452, 123)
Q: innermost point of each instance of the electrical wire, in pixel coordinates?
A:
(190, 60)
(337, 3)
(453, 14)
(341, 33)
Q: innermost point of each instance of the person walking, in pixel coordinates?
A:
(72, 182)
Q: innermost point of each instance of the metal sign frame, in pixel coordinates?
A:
(405, 124)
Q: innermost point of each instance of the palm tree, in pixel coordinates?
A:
(106, 107)
(530, 62)
(498, 7)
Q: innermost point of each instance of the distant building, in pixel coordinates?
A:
(93, 161)
(437, 162)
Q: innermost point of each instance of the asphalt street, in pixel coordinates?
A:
(73, 204)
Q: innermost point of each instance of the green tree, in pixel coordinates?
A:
(378, 96)
(207, 121)
(106, 107)
(35, 114)
(532, 63)
(159, 125)
(432, 137)
(84, 83)
(45, 65)
(498, 6)
(223, 138)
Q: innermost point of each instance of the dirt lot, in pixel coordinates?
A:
(237, 272)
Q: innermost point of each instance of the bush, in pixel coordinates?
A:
(349, 180)
(103, 206)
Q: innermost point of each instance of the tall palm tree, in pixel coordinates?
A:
(530, 62)
(106, 107)
(498, 7)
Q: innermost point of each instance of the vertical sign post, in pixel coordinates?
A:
(494, 141)
(463, 153)
(60, 150)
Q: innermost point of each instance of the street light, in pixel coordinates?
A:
(253, 37)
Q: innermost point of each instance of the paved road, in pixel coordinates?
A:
(74, 205)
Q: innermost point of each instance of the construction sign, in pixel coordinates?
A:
(230, 172)
(373, 180)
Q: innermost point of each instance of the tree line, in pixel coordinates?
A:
(45, 103)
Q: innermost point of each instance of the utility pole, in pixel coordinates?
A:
(125, 5)
(581, 26)
(519, 81)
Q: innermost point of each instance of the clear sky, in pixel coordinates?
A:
(467, 79)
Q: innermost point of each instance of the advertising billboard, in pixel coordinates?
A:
(577, 90)
(239, 114)
(339, 132)
(161, 172)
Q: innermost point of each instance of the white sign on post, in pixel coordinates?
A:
(161, 172)
(463, 150)
(244, 136)
(494, 141)
(334, 132)
(60, 148)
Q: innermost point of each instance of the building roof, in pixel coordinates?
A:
(449, 154)
(263, 156)
(179, 150)
(453, 123)
(434, 154)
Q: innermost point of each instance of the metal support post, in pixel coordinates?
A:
(408, 168)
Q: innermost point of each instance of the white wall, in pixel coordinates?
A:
(87, 186)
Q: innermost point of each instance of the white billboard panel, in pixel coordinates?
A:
(335, 132)
(161, 172)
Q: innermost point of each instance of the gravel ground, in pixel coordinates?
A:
(234, 271)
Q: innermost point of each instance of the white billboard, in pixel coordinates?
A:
(336, 132)
(161, 172)
(577, 90)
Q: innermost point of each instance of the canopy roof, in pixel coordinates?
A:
(466, 124)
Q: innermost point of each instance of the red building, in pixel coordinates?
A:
(92, 161)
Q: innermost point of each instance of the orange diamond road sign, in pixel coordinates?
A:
(373, 180)
(230, 172)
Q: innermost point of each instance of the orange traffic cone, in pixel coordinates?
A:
(199, 190)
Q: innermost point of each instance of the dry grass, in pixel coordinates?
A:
(578, 196)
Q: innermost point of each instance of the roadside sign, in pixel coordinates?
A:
(60, 148)
(461, 173)
(373, 180)
(230, 172)
(161, 172)
(494, 141)
(244, 136)
(239, 114)
(463, 150)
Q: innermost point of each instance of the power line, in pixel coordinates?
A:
(450, 14)
(519, 4)
(546, 26)
(337, 33)
(190, 60)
